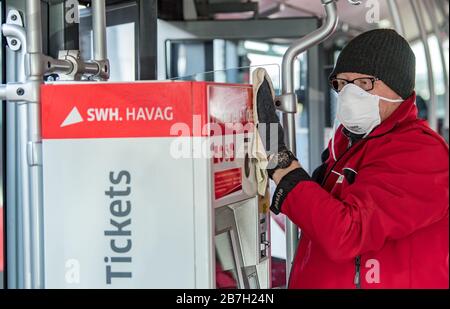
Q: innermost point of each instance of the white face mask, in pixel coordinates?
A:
(359, 111)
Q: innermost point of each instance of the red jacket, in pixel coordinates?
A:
(385, 221)
(1, 240)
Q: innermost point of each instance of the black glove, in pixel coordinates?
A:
(271, 131)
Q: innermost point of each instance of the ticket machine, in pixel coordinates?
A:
(151, 185)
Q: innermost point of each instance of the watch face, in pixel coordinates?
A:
(284, 160)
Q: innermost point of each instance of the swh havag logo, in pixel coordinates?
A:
(72, 118)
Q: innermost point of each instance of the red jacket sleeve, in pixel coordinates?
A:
(403, 186)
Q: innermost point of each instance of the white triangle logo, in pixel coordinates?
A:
(74, 117)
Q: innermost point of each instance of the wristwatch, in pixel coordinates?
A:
(281, 160)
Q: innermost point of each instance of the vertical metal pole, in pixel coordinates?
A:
(442, 9)
(99, 29)
(14, 241)
(432, 118)
(12, 198)
(430, 6)
(288, 91)
(24, 226)
(19, 275)
(34, 145)
(396, 17)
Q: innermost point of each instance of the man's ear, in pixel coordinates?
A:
(384, 90)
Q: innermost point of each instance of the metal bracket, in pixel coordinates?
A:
(14, 18)
(22, 92)
(286, 103)
(103, 72)
(70, 66)
(72, 56)
(34, 153)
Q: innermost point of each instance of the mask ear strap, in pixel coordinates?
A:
(333, 152)
(392, 101)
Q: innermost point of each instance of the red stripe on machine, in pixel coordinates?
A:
(109, 110)
(147, 109)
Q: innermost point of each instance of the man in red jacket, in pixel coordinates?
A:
(375, 214)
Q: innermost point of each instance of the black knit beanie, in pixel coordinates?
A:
(381, 53)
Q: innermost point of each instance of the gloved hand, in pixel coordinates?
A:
(269, 147)
(267, 120)
(269, 129)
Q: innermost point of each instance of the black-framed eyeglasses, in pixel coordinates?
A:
(365, 83)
